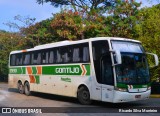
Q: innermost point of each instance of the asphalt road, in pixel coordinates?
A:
(60, 105)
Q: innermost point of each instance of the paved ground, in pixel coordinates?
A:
(66, 105)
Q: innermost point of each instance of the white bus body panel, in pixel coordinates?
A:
(53, 84)
(127, 97)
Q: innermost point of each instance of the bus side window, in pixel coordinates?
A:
(26, 59)
(18, 59)
(81, 53)
(76, 54)
(85, 54)
(51, 57)
(45, 58)
(58, 54)
(39, 58)
(13, 60)
(36, 58)
(65, 52)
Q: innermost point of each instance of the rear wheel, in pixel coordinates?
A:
(27, 89)
(84, 96)
(20, 88)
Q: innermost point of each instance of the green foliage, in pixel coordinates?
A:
(40, 33)
(148, 32)
(123, 18)
(86, 5)
(96, 27)
(67, 25)
(8, 43)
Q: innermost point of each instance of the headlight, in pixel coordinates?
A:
(121, 89)
(149, 88)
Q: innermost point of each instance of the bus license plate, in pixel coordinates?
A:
(137, 96)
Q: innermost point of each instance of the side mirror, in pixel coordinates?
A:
(117, 57)
(156, 61)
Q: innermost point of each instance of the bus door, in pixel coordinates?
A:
(107, 78)
(104, 85)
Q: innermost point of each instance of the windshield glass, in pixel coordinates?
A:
(123, 46)
(134, 67)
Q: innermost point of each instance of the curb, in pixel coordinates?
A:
(155, 96)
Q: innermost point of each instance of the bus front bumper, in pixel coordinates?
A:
(127, 97)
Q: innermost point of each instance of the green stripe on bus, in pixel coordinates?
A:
(34, 70)
(121, 85)
(17, 70)
(56, 70)
(88, 69)
(66, 70)
(23, 70)
(37, 79)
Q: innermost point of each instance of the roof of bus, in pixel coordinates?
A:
(62, 43)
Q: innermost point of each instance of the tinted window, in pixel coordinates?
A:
(36, 58)
(26, 59)
(106, 70)
(13, 60)
(45, 57)
(81, 53)
(100, 49)
(78, 53)
(52, 56)
(18, 59)
(66, 54)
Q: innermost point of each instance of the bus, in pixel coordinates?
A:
(108, 69)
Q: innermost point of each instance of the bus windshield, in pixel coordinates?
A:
(134, 68)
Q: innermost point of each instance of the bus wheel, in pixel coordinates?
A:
(83, 96)
(20, 88)
(27, 89)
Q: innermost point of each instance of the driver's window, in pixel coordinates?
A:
(106, 70)
(99, 48)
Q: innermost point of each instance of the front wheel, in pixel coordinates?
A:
(27, 89)
(83, 96)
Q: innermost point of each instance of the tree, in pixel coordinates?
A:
(123, 18)
(148, 32)
(68, 25)
(8, 43)
(39, 33)
(95, 26)
(86, 5)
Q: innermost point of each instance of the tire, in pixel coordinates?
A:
(27, 89)
(83, 96)
(20, 88)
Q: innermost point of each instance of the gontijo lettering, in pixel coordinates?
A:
(67, 70)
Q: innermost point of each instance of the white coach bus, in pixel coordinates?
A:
(108, 69)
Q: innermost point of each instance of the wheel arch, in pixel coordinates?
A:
(26, 82)
(19, 81)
